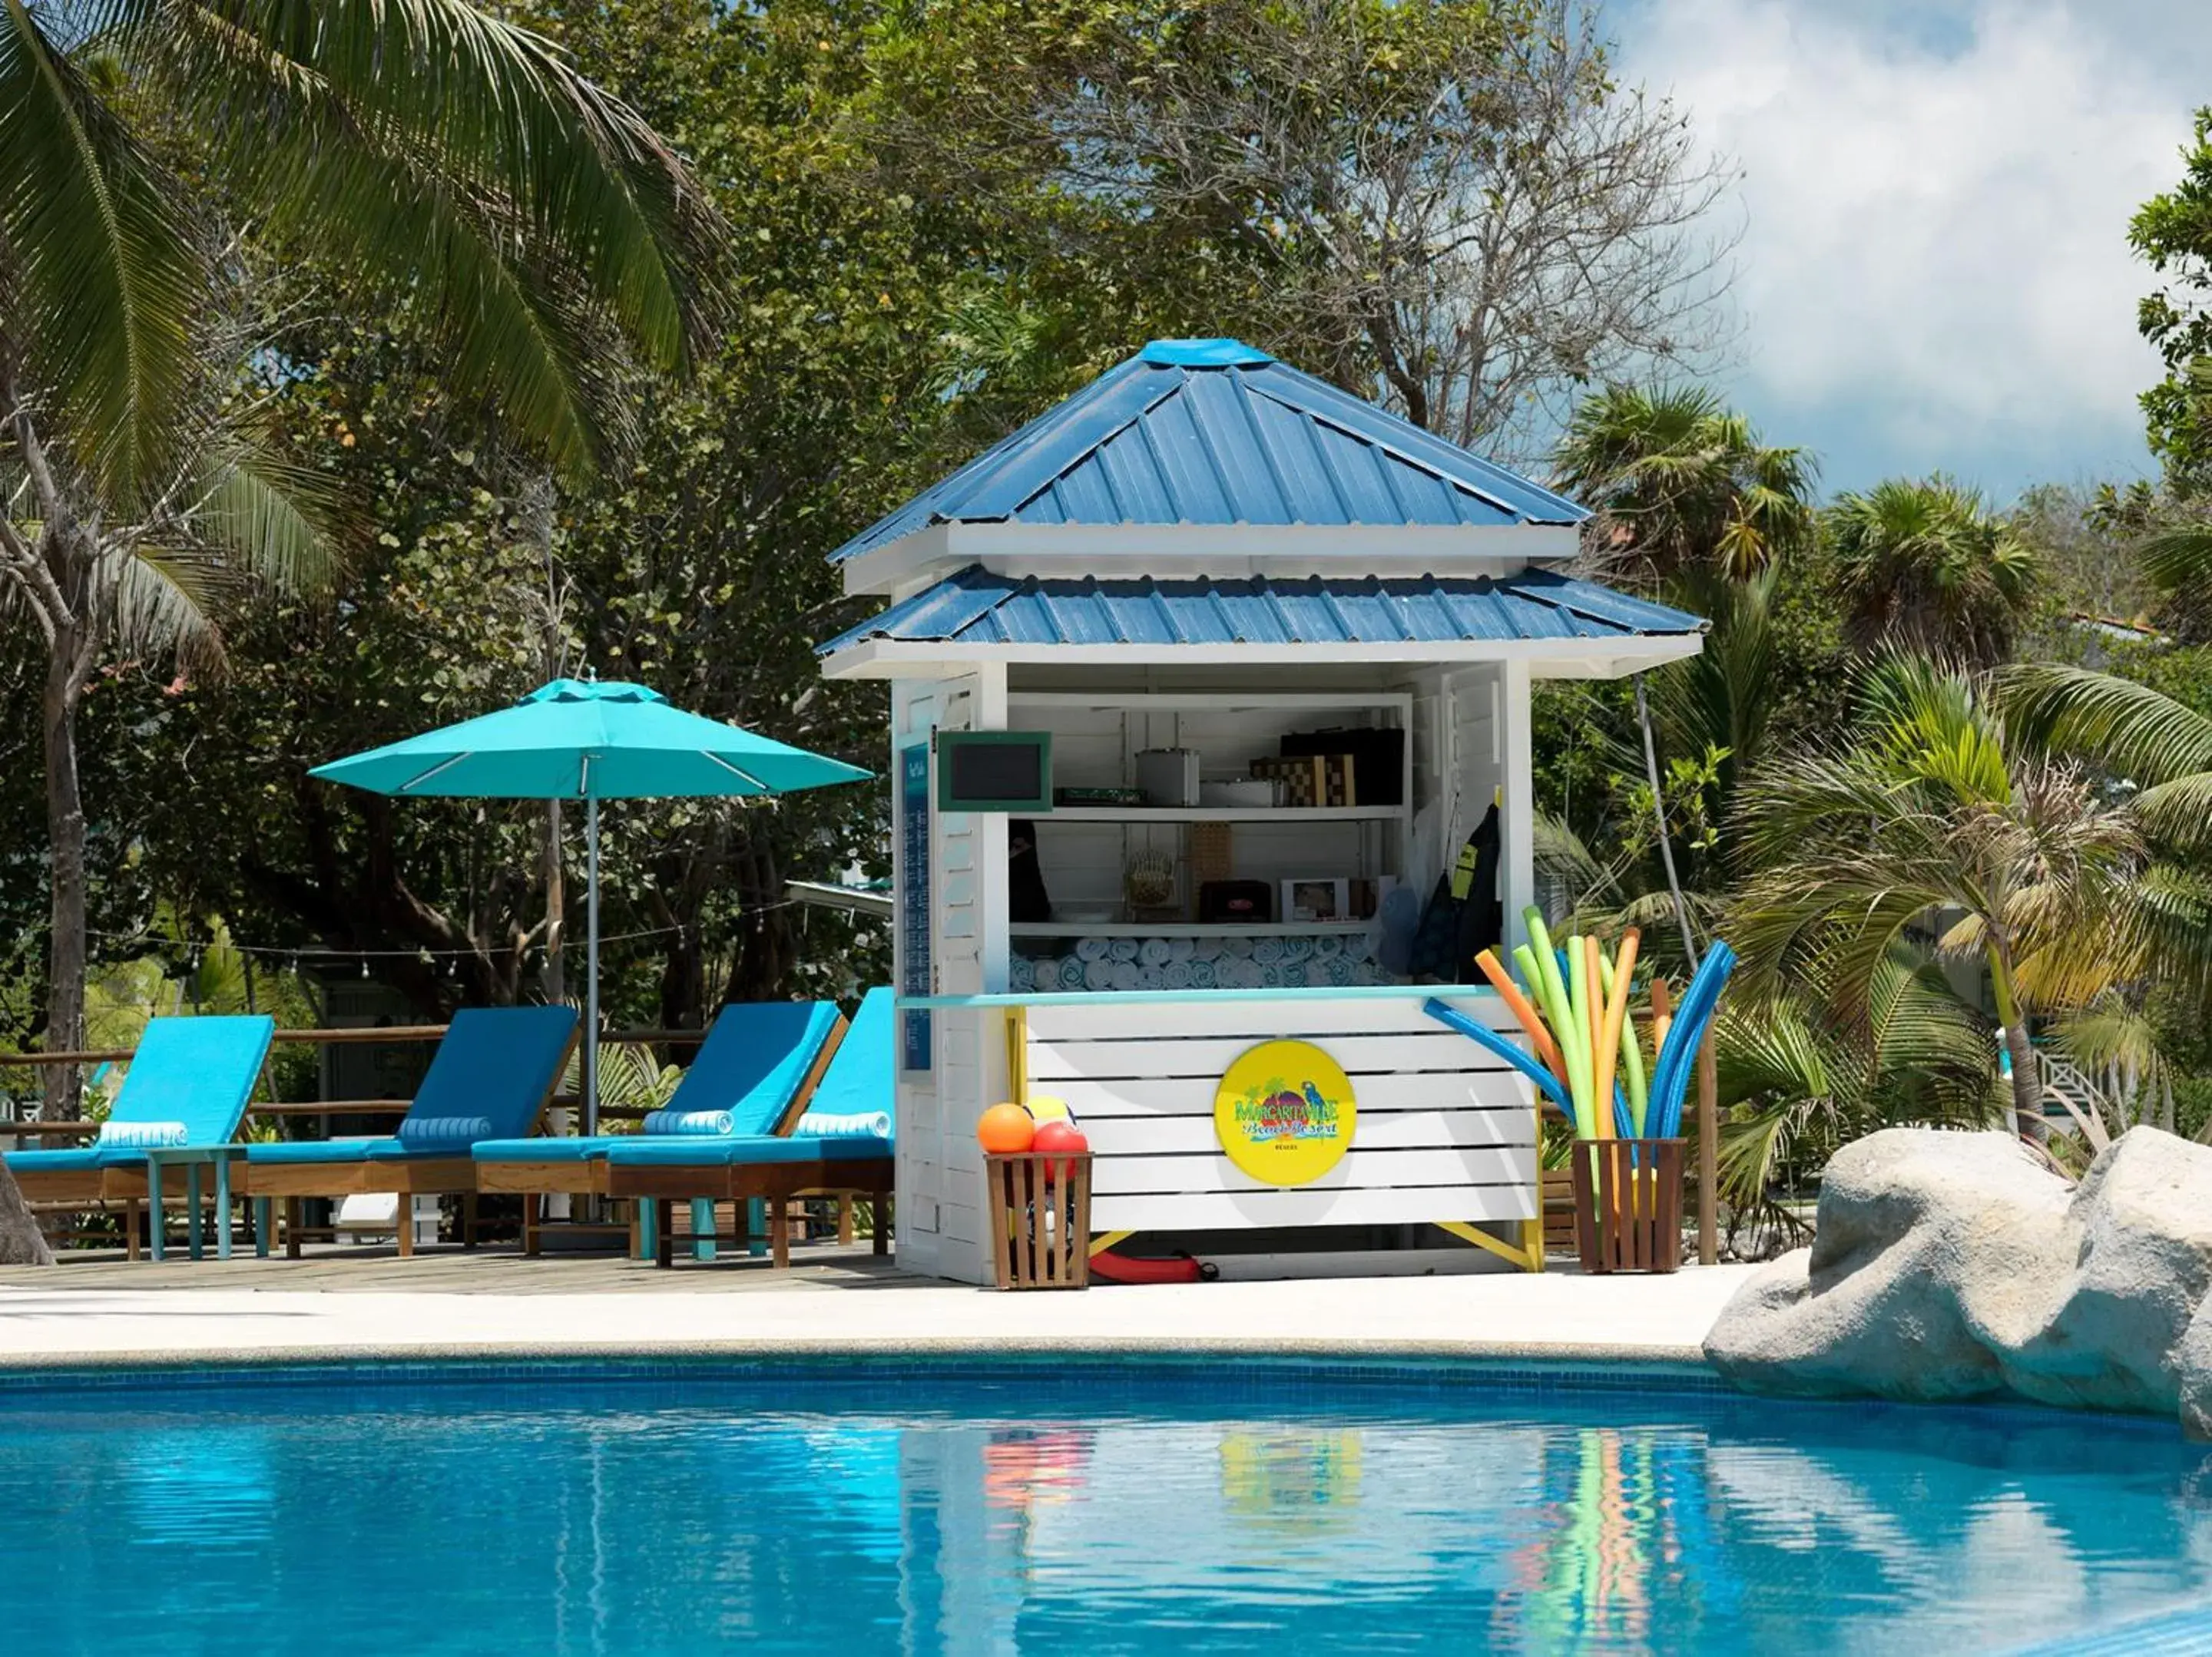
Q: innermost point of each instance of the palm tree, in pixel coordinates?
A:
(1681, 484)
(1927, 821)
(1923, 566)
(445, 164)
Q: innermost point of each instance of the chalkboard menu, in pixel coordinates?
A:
(914, 901)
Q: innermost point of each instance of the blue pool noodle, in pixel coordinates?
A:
(1670, 1078)
(1480, 1033)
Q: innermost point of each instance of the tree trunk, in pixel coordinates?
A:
(65, 833)
(2026, 1081)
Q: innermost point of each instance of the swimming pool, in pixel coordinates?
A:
(1099, 1506)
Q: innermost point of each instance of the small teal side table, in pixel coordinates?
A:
(192, 1159)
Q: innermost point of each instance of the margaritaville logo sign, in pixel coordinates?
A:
(1285, 1112)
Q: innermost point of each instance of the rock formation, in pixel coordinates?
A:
(1953, 1265)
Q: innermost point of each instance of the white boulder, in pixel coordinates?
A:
(1950, 1265)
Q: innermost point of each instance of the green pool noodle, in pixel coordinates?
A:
(1632, 1056)
(1559, 1009)
(1577, 989)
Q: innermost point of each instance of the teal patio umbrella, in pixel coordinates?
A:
(580, 739)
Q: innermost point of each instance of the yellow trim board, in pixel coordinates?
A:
(1465, 1233)
(1106, 1240)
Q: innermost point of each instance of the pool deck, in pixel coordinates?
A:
(447, 1304)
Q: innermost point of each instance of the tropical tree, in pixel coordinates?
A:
(1799, 1076)
(428, 157)
(1681, 484)
(1926, 821)
(1922, 565)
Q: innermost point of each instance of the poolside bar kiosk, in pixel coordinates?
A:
(1207, 686)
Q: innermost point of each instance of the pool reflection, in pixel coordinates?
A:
(973, 1518)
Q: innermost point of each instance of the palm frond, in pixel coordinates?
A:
(2129, 728)
(106, 279)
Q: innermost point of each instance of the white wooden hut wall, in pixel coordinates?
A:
(1444, 1131)
(940, 1170)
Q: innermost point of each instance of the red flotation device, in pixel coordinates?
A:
(1127, 1268)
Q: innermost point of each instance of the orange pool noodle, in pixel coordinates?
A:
(1609, 1037)
(1661, 1017)
(1006, 1130)
(1600, 1097)
(1525, 1010)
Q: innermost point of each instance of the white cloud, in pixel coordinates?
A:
(1935, 269)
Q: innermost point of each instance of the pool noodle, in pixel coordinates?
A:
(1524, 1009)
(1510, 1052)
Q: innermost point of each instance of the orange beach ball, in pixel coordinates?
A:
(1006, 1130)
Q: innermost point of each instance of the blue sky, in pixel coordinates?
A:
(1934, 270)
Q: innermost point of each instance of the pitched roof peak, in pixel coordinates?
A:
(1203, 354)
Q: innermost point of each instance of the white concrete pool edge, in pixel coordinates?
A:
(1556, 1316)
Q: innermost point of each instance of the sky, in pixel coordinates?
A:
(1934, 270)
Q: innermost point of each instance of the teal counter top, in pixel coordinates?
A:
(1130, 997)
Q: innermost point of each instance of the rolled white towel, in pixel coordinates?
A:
(846, 1125)
(695, 1122)
(1127, 975)
(1154, 952)
(1122, 949)
(144, 1136)
(1090, 949)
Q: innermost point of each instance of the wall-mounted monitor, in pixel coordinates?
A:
(994, 771)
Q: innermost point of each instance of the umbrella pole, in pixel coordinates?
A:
(592, 971)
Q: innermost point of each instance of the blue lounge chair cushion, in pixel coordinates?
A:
(860, 1076)
(550, 1148)
(488, 1079)
(639, 1152)
(193, 1072)
(754, 1061)
(749, 1070)
(311, 1151)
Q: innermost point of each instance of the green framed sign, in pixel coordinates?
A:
(994, 771)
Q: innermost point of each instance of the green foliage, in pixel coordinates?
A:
(1924, 566)
(2173, 232)
(1682, 484)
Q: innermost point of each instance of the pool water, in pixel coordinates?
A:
(864, 1507)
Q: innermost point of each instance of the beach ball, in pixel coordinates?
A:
(1061, 1138)
(1006, 1130)
(1043, 1107)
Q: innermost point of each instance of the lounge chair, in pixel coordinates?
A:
(757, 1067)
(187, 1088)
(492, 1078)
(843, 1143)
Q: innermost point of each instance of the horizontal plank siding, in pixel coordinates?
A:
(1445, 1054)
(1404, 1130)
(1255, 1206)
(1304, 1020)
(1444, 1129)
(1362, 1170)
(1379, 1095)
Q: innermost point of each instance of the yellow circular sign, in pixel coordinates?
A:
(1285, 1112)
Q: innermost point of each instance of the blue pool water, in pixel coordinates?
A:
(863, 1508)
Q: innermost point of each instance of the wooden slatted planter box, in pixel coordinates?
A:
(1628, 1204)
(1040, 1219)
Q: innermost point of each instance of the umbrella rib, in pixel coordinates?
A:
(735, 772)
(442, 765)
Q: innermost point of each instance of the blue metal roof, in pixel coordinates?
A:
(979, 607)
(1213, 432)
